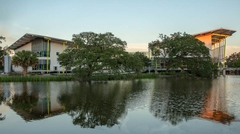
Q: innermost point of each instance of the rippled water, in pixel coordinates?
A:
(164, 105)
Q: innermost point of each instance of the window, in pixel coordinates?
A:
(55, 68)
(57, 53)
(39, 46)
(42, 65)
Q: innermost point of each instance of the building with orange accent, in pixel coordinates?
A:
(215, 40)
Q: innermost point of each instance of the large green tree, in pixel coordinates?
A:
(233, 60)
(135, 62)
(181, 50)
(25, 59)
(2, 53)
(93, 53)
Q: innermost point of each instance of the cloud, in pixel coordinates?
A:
(10, 39)
(134, 47)
(143, 47)
(232, 49)
(18, 26)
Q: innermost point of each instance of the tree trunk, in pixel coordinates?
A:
(155, 67)
(25, 71)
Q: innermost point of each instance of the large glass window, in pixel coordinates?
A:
(42, 65)
(39, 46)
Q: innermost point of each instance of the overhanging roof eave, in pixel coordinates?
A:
(219, 31)
(29, 37)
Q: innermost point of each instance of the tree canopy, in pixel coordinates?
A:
(181, 50)
(25, 59)
(135, 62)
(233, 60)
(93, 52)
(2, 53)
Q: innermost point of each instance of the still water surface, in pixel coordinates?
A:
(146, 106)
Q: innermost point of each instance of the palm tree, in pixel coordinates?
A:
(25, 59)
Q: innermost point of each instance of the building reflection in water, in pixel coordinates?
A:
(33, 100)
(6, 92)
(215, 107)
(25, 100)
(176, 100)
(98, 104)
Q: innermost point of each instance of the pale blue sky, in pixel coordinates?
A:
(136, 21)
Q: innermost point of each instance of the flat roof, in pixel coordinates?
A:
(217, 34)
(30, 37)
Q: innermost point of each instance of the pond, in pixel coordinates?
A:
(144, 106)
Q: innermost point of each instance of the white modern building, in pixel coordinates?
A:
(47, 49)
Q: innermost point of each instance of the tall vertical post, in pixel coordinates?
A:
(219, 52)
(63, 48)
(155, 64)
(48, 52)
(48, 98)
(224, 58)
(149, 59)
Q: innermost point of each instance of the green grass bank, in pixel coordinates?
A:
(35, 78)
(102, 77)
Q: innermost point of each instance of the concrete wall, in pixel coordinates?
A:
(207, 39)
(55, 47)
(25, 47)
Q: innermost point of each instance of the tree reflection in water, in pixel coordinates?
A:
(92, 106)
(1, 101)
(175, 100)
(25, 101)
(98, 104)
(1, 96)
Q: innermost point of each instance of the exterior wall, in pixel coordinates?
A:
(55, 47)
(25, 47)
(207, 39)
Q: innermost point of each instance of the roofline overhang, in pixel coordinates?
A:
(228, 32)
(25, 39)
